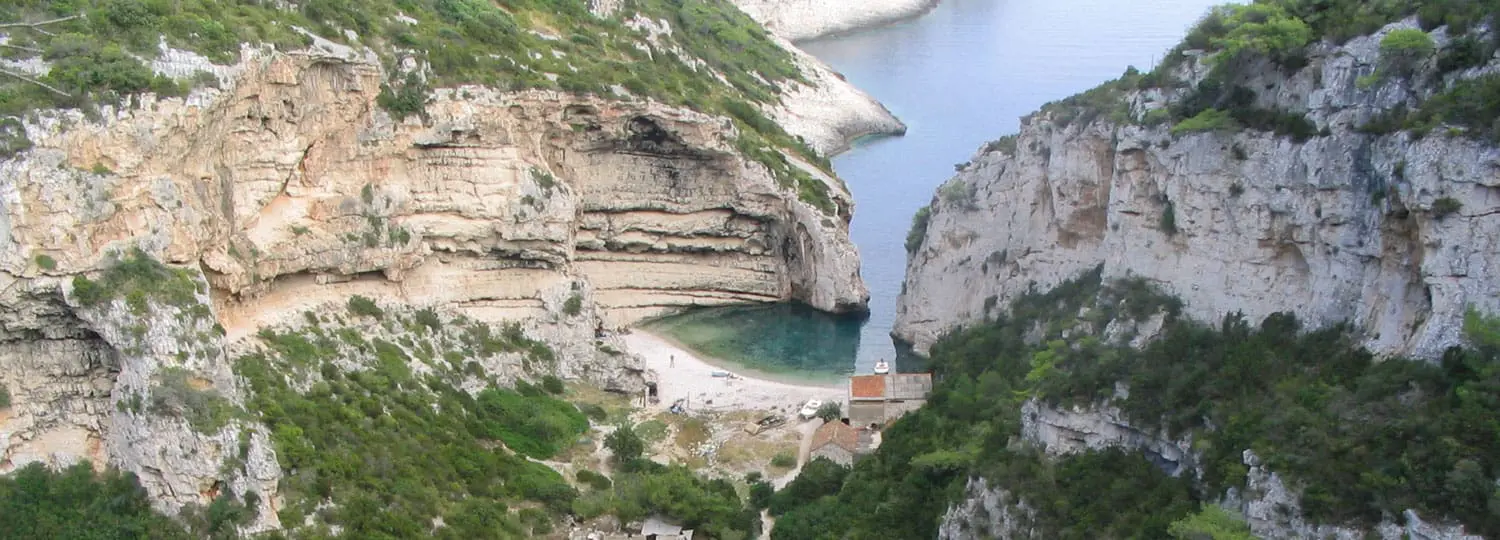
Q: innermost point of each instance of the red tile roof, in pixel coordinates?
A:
(867, 387)
(836, 433)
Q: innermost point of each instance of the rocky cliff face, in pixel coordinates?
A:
(1345, 226)
(290, 190)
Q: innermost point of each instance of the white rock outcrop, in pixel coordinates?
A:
(798, 20)
(1345, 226)
(827, 111)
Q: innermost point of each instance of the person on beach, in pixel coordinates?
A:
(672, 360)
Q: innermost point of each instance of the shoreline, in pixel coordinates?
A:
(681, 374)
(807, 20)
(836, 382)
(925, 7)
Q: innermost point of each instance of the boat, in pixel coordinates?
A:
(810, 409)
(882, 368)
(721, 373)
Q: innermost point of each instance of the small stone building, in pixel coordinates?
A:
(881, 399)
(836, 441)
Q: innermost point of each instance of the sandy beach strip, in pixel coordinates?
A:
(682, 374)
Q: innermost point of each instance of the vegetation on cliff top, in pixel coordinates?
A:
(1362, 439)
(376, 435)
(716, 59)
(1244, 40)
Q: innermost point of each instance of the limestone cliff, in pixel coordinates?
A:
(799, 20)
(290, 189)
(1388, 232)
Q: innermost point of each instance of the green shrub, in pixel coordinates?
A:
(1445, 206)
(46, 262)
(429, 320)
(404, 97)
(4, 397)
(918, 232)
(624, 445)
(391, 448)
(1208, 120)
(1462, 53)
(594, 412)
(77, 503)
(818, 478)
(831, 411)
(1168, 223)
(760, 494)
(1259, 29)
(1005, 145)
(552, 384)
(139, 278)
(1473, 104)
(1211, 523)
(206, 411)
(1402, 49)
(957, 192)
(13, 139)
(784, 460)
(361, 306)
(594, 480)
(573, 305)
(651, 431)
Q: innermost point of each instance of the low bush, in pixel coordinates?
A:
(817, 478)
(205, 410)
(784, 460)
(77, 503)
(1445, 206)
(1402, 49)
(831, 411)
(918, 231)
(625, 447)
(1207, 121)
(361, 306)
(573, 305)
(139, 278)
(392, 448)
(594, 480)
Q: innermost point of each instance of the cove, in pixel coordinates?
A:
(959, 76)
(780, 340)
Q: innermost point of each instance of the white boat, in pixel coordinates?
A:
(882, 368)
(810, 409)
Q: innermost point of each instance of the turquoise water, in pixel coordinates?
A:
(788, 339)
(959, 76)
